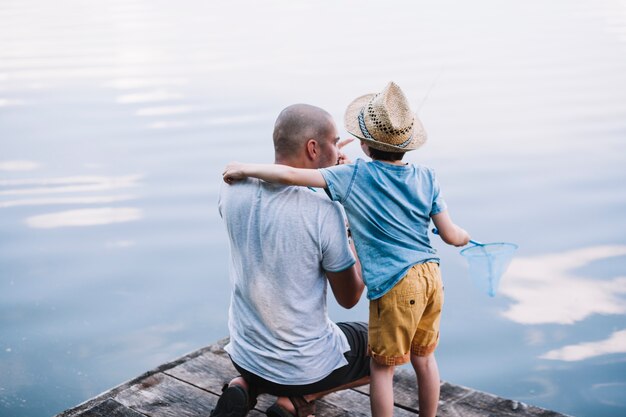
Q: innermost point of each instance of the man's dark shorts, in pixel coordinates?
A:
(358, 367)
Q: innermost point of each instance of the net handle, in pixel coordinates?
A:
(435, 231)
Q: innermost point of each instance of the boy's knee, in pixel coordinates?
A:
(423, 361)
(380, 367)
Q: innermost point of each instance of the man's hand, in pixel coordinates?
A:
(343, 159)
(233, 172)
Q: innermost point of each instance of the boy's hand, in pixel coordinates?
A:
(465, 238)
(233, 172)
(343, 159)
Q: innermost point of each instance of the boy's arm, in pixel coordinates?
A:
(450, 232)
(282, 174)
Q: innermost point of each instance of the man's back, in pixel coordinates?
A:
(282, 240)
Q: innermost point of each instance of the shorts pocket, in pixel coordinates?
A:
(410, 297)
(411, 293)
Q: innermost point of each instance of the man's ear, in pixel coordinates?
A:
(312, 149)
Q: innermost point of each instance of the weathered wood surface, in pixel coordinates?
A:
(191, 385)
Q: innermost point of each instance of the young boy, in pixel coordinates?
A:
(389, 205)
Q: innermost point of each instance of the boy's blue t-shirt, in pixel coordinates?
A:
(389, 209)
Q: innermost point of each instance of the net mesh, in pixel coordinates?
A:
(487, 263)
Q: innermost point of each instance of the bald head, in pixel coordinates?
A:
(296, 125)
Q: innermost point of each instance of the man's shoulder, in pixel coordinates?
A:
(238, 185)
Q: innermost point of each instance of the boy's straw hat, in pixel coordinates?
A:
(384, 121)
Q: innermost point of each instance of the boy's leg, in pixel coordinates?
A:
(393, 321)
(381, 389)
(425, 342)
(428, 383)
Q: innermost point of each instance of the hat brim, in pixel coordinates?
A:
(351, 117)
(351, 123)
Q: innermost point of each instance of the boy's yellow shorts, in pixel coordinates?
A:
(406, 319)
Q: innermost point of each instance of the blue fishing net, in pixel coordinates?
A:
(487, 263)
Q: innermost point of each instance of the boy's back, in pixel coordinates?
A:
(389, 207)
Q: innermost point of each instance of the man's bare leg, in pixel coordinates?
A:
(239, 381)
(285, 402)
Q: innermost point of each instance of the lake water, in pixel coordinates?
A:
(117, 116)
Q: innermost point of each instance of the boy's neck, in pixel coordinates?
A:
(396, 162)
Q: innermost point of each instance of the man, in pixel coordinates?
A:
(286, 244)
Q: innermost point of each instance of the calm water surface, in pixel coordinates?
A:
(116, 118)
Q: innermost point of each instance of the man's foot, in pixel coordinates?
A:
(234, 402)
(301, 407)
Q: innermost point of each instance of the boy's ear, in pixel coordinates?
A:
(365, 148)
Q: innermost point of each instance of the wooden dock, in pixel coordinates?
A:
(191, 385)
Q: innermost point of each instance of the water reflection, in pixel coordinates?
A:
(18, 165)
(74, 184)
(66, 200)
(67, 184)
(611, 394)
(163, 110)
(213, 121)
(549, 289)
(616, 343)
(148, 96)
(121, 244)
(85, 217)
(5, 102)
(544, 289)
(143, 82)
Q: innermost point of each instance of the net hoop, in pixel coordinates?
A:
(489, 249)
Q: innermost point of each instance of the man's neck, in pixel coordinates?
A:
(293, 162)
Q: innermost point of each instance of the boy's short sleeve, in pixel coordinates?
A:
(339, 179)
(438, 204)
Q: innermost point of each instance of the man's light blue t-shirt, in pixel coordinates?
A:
(282, 241)
(389, 209)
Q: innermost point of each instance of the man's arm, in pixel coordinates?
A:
(282, 174)
(450, 232)
(347, 285)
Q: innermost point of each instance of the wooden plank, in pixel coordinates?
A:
(358, 404)
(209, 371)
(457, 401)
(81, 408)
(213, 368)
(191, 385)
(479, 404)
(163, 396)
(353, 402)
(111, 408)
(404, 390)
